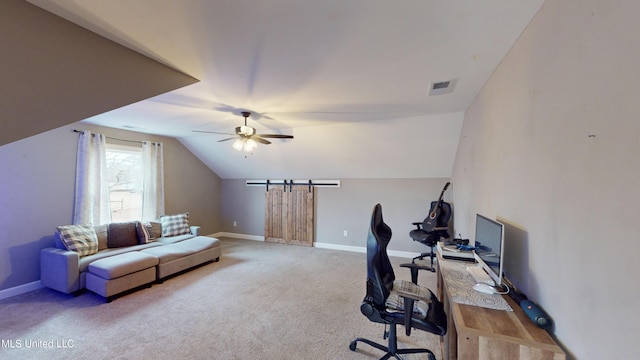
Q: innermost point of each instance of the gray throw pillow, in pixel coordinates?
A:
(102, 233)
(122, 234)
(156, 229)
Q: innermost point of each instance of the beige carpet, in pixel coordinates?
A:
(261, 301)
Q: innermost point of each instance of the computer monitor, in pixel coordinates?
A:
(489, 247)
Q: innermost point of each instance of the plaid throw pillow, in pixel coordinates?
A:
(79, 238)
(173, 225)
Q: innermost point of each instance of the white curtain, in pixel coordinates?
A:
(91, 204)
(152, 181)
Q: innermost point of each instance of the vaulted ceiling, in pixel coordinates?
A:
(349, 79)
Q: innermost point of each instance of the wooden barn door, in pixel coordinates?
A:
(289, 215)
(273, 218)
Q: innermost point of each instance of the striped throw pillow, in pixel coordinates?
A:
(145, 232)
(79, 238)
(173, 225)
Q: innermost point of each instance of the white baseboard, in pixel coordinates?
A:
(321, 245)
(20, 289)
(362, 249)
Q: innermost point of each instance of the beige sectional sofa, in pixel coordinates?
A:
(126, 256)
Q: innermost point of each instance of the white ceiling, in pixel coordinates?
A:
(348, 78)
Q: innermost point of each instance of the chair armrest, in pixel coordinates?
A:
(195, 230)
(417, 224)
(411, 293)
(408, 315)
(59, 270)
(414, 270)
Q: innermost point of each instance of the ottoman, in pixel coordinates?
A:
(183, 255)
(116, 274)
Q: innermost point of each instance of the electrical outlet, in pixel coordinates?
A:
(235, 223)
(346, 233)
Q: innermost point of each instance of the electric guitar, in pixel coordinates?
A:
(439, 215)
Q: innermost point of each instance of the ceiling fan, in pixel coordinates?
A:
(246, 136)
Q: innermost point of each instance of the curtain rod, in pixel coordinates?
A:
(290, 183)
(112, 138)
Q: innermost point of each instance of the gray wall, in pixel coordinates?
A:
(36, 194)
(345, 208)
(552, 146)
(56, 70)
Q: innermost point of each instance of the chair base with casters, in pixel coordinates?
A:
(392, 348)
(431, 318)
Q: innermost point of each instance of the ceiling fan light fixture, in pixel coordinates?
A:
(238, 144)
(249, 145)
(246, 135)
(247, 130)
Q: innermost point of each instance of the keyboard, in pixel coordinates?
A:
(479, 275)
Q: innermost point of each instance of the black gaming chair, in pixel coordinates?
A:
(387, 299)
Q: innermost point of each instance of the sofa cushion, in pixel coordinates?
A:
(184, 248)
(101, 232)
(200, 243)
(174, 239)
(124, 264)
(173, 225)
(168, 253)
(84, 262)
(79, 238)
(122, 234)
(156, 229)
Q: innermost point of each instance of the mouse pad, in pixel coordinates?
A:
(460, 286)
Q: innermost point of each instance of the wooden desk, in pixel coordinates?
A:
(479, 333)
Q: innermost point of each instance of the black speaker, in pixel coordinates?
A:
(536, 314)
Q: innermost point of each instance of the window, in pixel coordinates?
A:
(124, 169)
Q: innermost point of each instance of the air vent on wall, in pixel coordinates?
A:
(442, 87)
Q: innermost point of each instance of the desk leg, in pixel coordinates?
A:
(448, 342)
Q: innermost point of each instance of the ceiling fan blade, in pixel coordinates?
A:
(260, 140)
(227, 139)
(275, 136)
(212, 132)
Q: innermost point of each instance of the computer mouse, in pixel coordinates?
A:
(484, 288)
